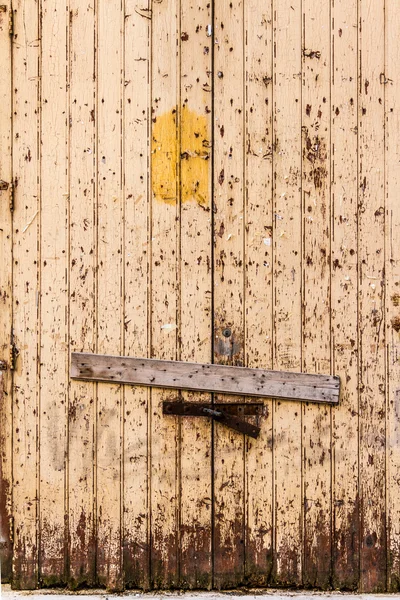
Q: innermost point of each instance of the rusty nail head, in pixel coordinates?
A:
(227, 332)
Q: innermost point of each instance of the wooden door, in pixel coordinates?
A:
(210, 181)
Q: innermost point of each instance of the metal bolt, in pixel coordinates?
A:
(227, 332)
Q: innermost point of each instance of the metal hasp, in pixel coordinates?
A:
(227, 414)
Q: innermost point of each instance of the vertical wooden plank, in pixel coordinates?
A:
(392, 272)
(53, 294)
(316, 288)
(26, 254)
(82, 253)
(287, 287)
(109, 289)
(5, 295)
(228, 282)
(258, 279)
(136, 112)
(196, 287)
(346, 525)
(372, 296)
(165, 276)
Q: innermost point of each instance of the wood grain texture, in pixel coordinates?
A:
(286, 235)
(82, 265)
(344, 332)
(165, 287)
(196, 287)
(136, 434)
(392, 274)
(223, 379)
(54, 227)
(216, 183)
(371, 271)
(109, 306)
(316, 314)
(5, 296)
(228, 291)
(258, 174)
(26, 260)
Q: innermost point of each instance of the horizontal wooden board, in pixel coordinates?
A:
(204, 377)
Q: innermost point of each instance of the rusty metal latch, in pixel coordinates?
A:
(227, 414)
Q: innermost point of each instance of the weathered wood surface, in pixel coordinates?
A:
(165, 232)
(316, 292)
(136, 416)
(5, 294)
(221, 379)
(81, 405)
(26, 294)
(53, 308)
(258, 288)
(287, 283)
(228, 280)
(392, 296)
(195, 552)
(182, 169)
(372, 216)
(344, 294)
(109, 290)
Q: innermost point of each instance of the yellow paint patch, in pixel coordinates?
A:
(181, 173)
(164, 152)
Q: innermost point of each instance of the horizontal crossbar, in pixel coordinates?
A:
(220, 379)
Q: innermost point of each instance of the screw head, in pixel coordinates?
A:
(227, 332)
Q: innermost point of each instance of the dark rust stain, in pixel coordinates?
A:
(396, 299)
(228, 551)
(317, 550)
(196, 557)
(164, 562)
(396, 323)
(289, 560)
(25, 563)
(5, 496)
(259, 557)
(346, 545)
(315, 152)
(373, 559)
(52, 555)
(136, 555)
(311, 53)
(82, 556)
(109, 574)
